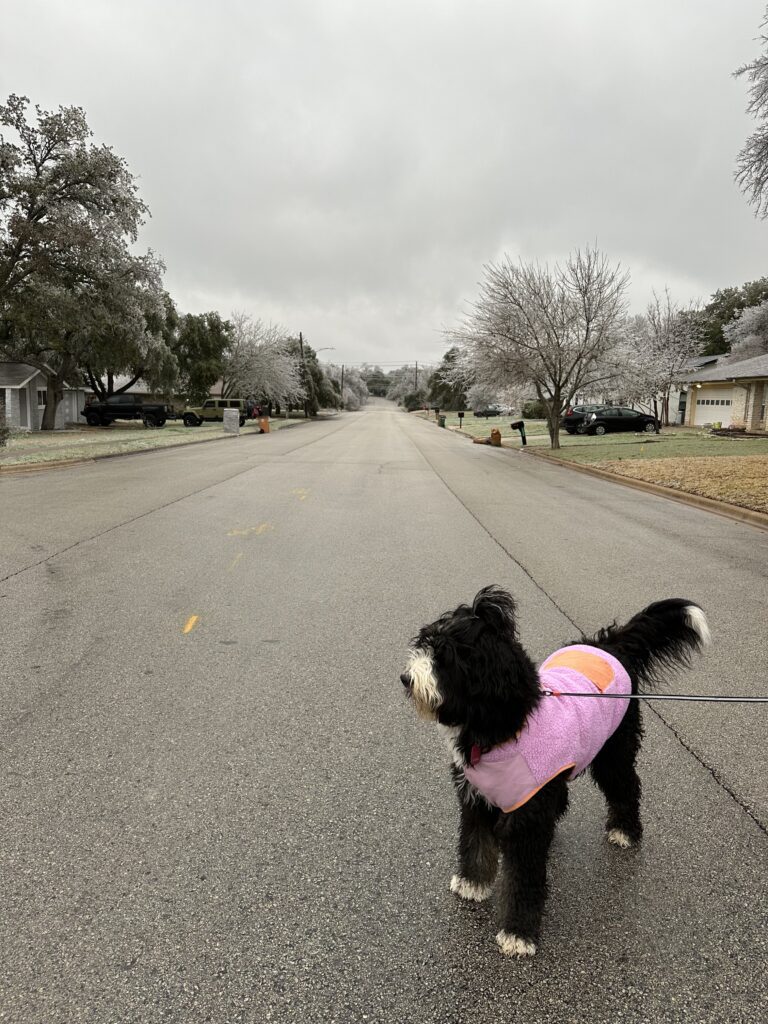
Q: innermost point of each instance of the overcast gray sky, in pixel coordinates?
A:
(345, 167)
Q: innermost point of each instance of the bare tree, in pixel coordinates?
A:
(752, 162)
(257, 362)
(546, 328)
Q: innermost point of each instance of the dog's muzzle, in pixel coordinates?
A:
(419, 680)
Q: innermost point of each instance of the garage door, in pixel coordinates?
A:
(713, 405)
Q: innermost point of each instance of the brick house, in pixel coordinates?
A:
(733, 394)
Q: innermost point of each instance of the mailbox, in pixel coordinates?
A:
(519, 425)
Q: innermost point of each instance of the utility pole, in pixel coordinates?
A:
(304, 367)
(342, 385)
(416, 378)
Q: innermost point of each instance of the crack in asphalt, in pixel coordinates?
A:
(699, 758)
(168, 504)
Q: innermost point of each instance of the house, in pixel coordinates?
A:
(23, 393)
(22, 398)
(732, 394)
(677, 398)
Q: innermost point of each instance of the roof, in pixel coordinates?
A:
(16, 375)
(698, 362)
(744, 369)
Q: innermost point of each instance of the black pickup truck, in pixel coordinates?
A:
(126, 407)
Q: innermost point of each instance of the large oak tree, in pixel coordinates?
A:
(73, 296)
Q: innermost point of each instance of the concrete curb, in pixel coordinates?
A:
(37, 467)
(722, 508)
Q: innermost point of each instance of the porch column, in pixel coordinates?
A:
(12, 407)
(758, 390)
(690, 405)
(739, 407)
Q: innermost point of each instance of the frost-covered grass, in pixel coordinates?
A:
(38, 447)
(672, 442)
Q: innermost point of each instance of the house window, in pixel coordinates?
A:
(42, 395)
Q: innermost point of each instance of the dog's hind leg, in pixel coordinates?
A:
(526, 835)
(478, 847)
(614, 772)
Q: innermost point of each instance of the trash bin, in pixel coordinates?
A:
(263, 424)
(441, 421)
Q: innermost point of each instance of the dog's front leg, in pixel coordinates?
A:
(525, 837)
(478, 847)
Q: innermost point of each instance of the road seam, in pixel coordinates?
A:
(168, 504)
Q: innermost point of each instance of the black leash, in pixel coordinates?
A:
(658, 696)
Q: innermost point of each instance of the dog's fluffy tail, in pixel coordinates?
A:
(663, 636)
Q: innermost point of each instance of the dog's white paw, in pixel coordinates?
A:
(469, 890)
(513, 945)
(619, 838)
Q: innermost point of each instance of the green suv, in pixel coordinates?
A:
(212, 409)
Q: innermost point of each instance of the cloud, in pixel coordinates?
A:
(346, 167)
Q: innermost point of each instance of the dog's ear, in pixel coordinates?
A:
(496, 607)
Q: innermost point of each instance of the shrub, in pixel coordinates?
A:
(534, 411)
(5, 431)
(413, 400)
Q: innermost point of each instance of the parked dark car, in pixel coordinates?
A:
(606, 419)
(574, 416)
(126, 407)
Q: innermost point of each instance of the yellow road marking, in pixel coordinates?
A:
(301, 493)
(251, 531)
(236, 560)
(191, 623)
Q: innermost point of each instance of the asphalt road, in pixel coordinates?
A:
(246, 822)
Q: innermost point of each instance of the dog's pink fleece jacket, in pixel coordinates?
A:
(563, 732)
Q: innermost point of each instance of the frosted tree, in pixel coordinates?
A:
(544, 328)
(257, 362)
(747, 333)
(73, 294)
(752, 161)
(654, 354)
(349, 385)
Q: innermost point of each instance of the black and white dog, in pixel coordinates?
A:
(517, 734)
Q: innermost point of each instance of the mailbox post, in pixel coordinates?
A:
(519, 425)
